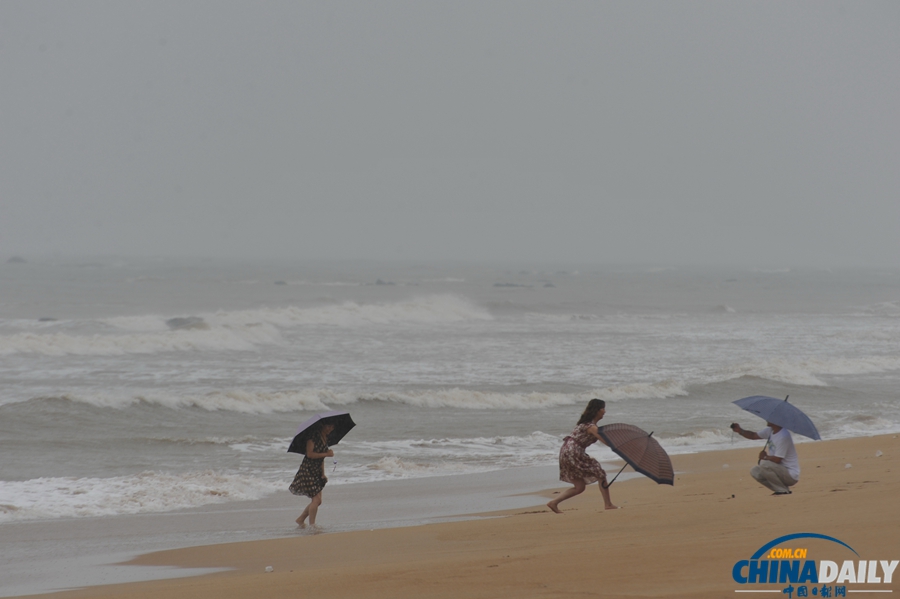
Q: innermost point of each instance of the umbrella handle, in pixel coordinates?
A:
(614, 478)
(764, 447)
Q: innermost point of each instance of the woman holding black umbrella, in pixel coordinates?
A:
(575, 465)
(310, 478)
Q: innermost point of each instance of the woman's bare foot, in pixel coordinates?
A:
(611, 507)
(553, 507)
(300, 522)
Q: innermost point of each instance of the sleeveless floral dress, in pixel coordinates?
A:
(574, 463)
(310, 478)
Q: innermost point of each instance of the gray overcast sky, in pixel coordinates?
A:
(765, 133)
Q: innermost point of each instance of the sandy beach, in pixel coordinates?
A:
(680, 541)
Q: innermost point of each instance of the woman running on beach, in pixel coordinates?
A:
(575, 465)
(310, 478)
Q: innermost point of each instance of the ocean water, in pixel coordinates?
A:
(153, 386)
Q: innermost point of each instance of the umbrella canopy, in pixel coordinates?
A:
(342, 425)
(780, 412)
(640, 450)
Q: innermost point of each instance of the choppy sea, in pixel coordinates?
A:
(136, 386)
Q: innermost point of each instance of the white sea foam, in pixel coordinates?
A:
(418, 458)
(466, 398)
(432, 309)
(392, 467)
(808, 371)
(696, 441)
(368, 461)
(218, 339)
(427, 309)
(857, 425)
(518, 450)
(240, 330)
(145, 323)
(256, 402)
(267, 402)
(660, 390)
(145, 492)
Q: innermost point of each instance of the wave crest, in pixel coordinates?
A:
(466, 398)
(59, 344)
(268, 402)
(247, 402)
(238, 330)
(807, 372)
(42, 498)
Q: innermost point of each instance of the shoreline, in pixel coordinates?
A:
(82, 552)
(679, 541)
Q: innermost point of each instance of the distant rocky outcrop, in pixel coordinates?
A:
(187, 322)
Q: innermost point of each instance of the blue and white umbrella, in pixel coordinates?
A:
(780, 412)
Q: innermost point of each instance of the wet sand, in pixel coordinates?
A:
(680, 541)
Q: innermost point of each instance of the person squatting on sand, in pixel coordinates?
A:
(310, 478)
(575, 465)
(778, 467)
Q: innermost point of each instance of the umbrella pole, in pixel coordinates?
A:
(615, 477)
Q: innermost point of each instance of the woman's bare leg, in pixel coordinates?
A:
(301, 521)
(605, 492)
(314, 508)
(568, 493)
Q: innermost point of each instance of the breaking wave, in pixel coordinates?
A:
(807, 372)
(145, 492)
(267, 402)
(434, 309)
(59, 344)
(246, 402)
(240, 330)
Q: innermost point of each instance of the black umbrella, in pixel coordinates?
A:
(639, 450)
(342, 425)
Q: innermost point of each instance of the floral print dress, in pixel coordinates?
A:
(310, 478)
(574, 463)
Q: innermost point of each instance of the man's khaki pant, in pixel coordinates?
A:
(772, 475)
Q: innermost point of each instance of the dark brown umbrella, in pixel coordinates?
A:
(640, 451)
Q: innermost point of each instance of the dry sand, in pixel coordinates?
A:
(679, 541)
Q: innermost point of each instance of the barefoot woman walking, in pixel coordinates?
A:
(310, 478)
(575, 465)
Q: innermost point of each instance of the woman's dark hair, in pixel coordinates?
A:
(594, 406)
(315, 431)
